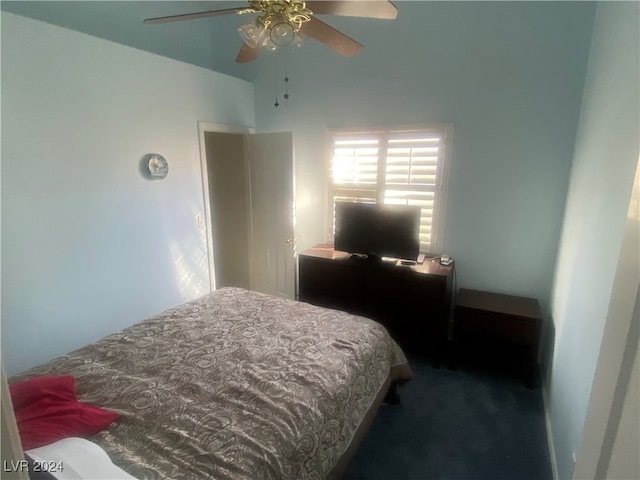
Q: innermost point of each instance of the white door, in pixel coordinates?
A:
(272, 240)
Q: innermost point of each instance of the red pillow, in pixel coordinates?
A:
(47, 410)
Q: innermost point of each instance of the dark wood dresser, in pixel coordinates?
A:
(502, 331)
(411, 301)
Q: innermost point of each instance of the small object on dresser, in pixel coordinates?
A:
(446, 260)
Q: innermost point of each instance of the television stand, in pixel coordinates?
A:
(411, 301)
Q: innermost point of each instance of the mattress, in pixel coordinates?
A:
(236, 385)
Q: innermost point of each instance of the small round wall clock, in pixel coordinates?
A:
(157, 166)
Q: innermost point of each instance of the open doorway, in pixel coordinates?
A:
(248, 195)
(229, 205)
(226, 203)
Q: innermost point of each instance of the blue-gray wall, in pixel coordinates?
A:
(508, 75)
(89, 246)
(606, 154)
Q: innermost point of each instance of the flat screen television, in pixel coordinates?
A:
(378, 230)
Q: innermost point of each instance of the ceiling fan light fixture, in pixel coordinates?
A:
(282, 33)
(278, 26)
(298, 39)
(253, 33)
(268, 45)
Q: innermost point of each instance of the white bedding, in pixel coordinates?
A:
(76, 458)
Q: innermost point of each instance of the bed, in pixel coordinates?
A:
(236, 384)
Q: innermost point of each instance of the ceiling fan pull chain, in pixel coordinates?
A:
(275, 63)
(286, 76)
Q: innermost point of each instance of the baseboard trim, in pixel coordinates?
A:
(547, 422)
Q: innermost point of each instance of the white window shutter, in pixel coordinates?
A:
(355, 161)
(401, 167)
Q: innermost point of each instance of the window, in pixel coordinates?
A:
(393, 166)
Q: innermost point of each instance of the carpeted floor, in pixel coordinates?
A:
(457, 425)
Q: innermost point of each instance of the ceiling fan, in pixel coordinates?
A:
(282, 23)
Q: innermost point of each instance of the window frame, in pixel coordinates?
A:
(444, 130)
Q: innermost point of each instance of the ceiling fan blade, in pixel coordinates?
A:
(247, 54)
(368, 9)
(331, 37)
(193, 16)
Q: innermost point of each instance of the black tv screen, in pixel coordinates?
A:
(378, 230)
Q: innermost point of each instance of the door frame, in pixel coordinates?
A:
(618, 351)
(203, 128)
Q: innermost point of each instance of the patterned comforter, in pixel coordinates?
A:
(235, 385)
